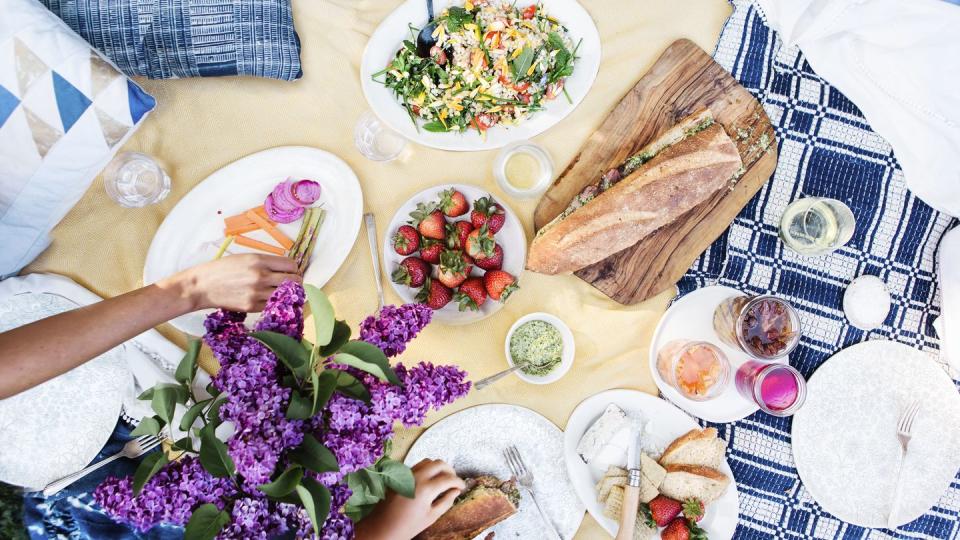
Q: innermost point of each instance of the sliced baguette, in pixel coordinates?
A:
(693, 481)
(696, 447)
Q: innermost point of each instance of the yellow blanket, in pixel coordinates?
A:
(201, 125)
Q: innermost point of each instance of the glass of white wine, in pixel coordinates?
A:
(816, 226)
(523, 169)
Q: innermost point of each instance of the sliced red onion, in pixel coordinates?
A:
(283, 197)
(279, 213)
(305, 192)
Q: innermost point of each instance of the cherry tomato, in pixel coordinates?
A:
(554, 89)
(524, 97)
(484, 121)
(415, 109)
(529, 12)
(521, 86)
(438, 55)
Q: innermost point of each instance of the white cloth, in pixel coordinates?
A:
(948, 324)
(898, 62)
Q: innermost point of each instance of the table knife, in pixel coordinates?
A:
(631, 491)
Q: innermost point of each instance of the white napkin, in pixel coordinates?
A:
(898, 62)
(948, 324)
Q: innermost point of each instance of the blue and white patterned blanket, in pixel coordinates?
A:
(826, 149)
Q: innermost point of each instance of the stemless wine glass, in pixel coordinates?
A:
(816, 226)
(134, 180)
(375, 140)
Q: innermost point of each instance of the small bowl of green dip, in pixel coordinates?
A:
(542, 345)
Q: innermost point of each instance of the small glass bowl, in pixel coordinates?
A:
(668, 359)
(729, 320)
(533, 150)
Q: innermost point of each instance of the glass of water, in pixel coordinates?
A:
(816, 226)
(376, 140)
(134, 180)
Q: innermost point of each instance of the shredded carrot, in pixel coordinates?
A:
(270, 229)
(240, 229)
(258, 245)
(242, 218)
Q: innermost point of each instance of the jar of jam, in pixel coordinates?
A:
(765, 327)
(697, 369)
(777, 389)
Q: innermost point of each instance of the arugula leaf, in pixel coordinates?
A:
(436, 127)
(555, 41)
(457, 17)
(521, 64)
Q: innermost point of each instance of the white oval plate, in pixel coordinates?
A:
(472, 441)
(511, 237)
(669, 422)
(192, 231)
(845, 436)
(691, 317)
(393, 30)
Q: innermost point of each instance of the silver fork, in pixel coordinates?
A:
(525, 479)
(133, 449)
(904, 433)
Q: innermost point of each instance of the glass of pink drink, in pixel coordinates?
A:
(777, 389)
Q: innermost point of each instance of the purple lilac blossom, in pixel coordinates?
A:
(255, 402)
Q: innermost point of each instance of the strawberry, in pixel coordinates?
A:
(693, 509)
(406, 241)
(499, 284)
(430, 251)
(434, 294)
(455, 266)
(682, 529)
(453, 203)
(480, 243)
(487, 211)
(664, 509)
(411, 272)
(429, 221)
(493, 262)
(472, 294)
(457, 234)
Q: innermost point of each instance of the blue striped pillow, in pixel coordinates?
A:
(165, 39)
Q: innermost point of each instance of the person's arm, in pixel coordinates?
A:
(39, 351)
(400, 518)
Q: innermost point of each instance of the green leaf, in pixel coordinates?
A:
(185, 444)
(191, 415)
(181, 392)
(367, 488)
(314, 456)
(213, 413)
(341, 335)
(350, 386)
(214, 456)
(435, 126)
(521, 64)
(372, 360)
(148, 467)
(150, 425)
(322, 311)
(288, 350)
(316, 501)
(299, 407)
(207, 520)
(212, 390)
(457, 17)
(556, 42)
(398, 477)
(187, 368)
(324, 385)
(164, 402)
(356, 513)
(284, 484)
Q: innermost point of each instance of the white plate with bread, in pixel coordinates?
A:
(679, 461)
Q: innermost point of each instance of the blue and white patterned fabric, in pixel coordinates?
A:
(64, 110)
(826, 149)
(164, 39)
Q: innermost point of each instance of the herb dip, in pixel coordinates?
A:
(537, 347)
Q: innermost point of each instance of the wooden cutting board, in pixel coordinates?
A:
(682, 80)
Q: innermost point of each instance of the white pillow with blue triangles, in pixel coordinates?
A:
(64, 111)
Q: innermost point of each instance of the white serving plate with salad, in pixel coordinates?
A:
(668, 423)
(511, 237)
(193, 230)
(389, 36)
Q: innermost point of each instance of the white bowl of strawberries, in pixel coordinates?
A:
(456, 249)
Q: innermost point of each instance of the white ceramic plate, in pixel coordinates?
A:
(845, 442)
(566, 356)
(387, 38)
(691, 317)
(192, 231)
(473, 441)
(511, 237)
(669, 422)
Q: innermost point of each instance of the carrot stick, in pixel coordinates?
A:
(243, 219)
(271, 230)
(240, 229)
(258, 245)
